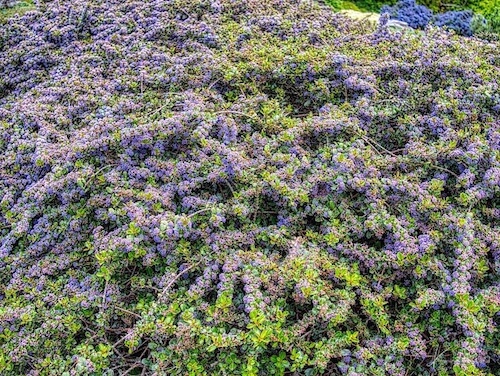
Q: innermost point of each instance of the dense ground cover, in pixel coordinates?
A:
(240, 187)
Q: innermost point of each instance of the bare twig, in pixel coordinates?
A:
(256, 211)
(373, 146)
(127, 311)
(230, 187)
(166, 104)
(134, 366)
(104, 294)
(213, 84)
(237, 113)
(199, 212)
(149, 287)
(179, 275)
(373, 143)
(97, 173)
(117, 343)
(440, 168)
(185, 12)
(370, 141)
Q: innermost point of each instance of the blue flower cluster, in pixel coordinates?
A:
(419, 16)
(460, 21)
(415, 15)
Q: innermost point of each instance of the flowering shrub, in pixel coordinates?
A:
(480, 18)
(416, 16)
(460, 21)
(419, 16)
(239, 187)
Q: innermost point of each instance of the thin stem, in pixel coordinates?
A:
(119, 342)
(230, 187)
(134, 366)
(213, 84)
(370, 141)
(179, 275)
(166, 104)
(127, 311)
(374, 148)
(441, 168)
(199, 212)
(104, 294)
(237, 113)
(257, 207)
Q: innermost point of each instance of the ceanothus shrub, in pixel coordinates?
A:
(415, 15)
(419, 16)
(460, 21)
(245, 187)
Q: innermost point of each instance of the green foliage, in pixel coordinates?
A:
(371, 5)
(349, 5)
(335, 4)
(487, 22)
